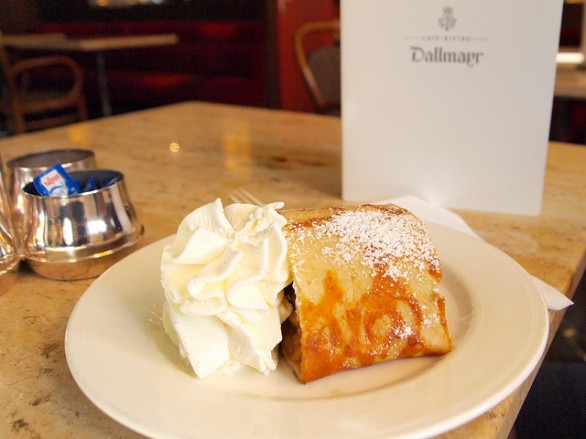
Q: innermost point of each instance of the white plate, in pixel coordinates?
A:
(124, 363)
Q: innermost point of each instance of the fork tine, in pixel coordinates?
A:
(241, 195)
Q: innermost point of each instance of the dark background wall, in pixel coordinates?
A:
(16, 16)
(58, 10)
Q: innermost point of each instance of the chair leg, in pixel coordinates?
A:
(18, 118)
(82, 108)
(19, 124)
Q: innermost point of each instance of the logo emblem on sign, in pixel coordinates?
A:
(447, 20)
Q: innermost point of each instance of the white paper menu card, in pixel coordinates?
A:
(448, 100)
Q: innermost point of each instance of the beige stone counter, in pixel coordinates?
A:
(176, 158)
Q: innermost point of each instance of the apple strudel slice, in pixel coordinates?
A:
(365, 289)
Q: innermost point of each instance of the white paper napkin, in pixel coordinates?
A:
(428, 212)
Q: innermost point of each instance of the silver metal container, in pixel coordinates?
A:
(9, 258)
(22, 170)
(79, 236)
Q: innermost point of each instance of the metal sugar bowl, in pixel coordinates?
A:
(79, 236)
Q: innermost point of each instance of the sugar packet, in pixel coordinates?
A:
(56, 182)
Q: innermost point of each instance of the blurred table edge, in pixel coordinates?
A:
(58, 43)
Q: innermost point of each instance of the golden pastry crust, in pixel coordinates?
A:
(365, 289)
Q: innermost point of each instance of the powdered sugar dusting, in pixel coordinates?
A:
(404, 331)
(380, 237)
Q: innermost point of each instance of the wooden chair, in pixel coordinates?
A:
(317, 51)
(28, 106)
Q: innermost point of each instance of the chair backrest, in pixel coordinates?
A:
(317, 50)
(48, 107)
(6, 77)
(8, 90)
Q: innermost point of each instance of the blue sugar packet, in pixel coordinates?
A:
(56, 182)
(90, 185)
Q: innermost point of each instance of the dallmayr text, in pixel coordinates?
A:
(439, 55)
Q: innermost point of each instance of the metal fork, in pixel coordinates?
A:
(241, 195)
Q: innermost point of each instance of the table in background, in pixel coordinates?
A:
(94, 45)
(570, 89)
(29, 38)
(570, 82)
(178, 157)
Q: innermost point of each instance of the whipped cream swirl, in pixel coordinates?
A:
(223, 277)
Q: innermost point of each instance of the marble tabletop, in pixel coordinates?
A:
(178, 157)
